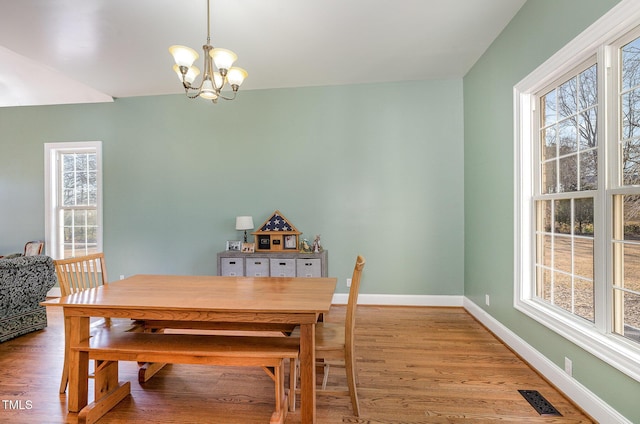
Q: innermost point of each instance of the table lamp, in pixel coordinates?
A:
(244, 223)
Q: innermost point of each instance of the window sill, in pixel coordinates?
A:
(612, 349)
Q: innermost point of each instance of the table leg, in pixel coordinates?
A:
(78, 364)
(108, 392)
(308, 373)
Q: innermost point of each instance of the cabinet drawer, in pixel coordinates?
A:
(257, 267)
(282, 267)
(232, 267)
(308, 268)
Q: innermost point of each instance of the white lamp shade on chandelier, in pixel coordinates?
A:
(223, 58)
(184, 56)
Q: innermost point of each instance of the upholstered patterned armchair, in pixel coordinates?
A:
(24, 283)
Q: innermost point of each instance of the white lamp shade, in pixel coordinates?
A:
(208, 91)
(218, 80)
(190, 76)
(244, 223)
(236, 76)
(223, 58)
(184, 56)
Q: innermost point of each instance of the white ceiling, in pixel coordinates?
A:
(81, 51)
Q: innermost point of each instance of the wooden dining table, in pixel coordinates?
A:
(248, 301)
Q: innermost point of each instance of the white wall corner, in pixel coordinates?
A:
(598, 409)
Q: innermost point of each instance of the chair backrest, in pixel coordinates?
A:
(33, 248)
(350, 321)
(81, 273)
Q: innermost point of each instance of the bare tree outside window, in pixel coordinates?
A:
(568, 164)
(79, 203)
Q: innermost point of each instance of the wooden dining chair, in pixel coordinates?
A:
(76, 275)
(335, 347)
(32, 248)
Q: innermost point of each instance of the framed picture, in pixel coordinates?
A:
(290, 242)
(264, 242)
(234, 245)
(248, 247)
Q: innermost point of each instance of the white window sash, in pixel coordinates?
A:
(52, 153)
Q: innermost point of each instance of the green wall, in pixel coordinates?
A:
(539, 29)
(375, 169)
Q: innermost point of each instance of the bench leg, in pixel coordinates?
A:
(280, 413)
(277, 376)
(148, 370)
(108, 392)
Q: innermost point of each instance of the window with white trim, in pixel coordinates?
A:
(73, 198)
(577, 206)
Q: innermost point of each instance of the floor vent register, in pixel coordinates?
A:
(539, 403)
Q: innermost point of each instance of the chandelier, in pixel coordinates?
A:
(215, 78)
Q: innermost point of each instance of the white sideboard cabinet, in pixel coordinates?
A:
(281, 264)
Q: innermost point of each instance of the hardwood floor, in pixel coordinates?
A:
(415, 364)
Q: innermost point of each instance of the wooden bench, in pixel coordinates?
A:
(108, 347)
(147, 370)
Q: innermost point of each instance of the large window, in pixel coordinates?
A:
(578, 191)
(73, 198)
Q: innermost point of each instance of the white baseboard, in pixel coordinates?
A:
(583, 397)
(400, 300)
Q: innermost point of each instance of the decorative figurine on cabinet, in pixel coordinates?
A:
(316, 244)
(305, 248)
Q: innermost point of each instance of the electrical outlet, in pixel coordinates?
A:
(487, 300)
(568, 366)
(122, 277)
(348, 282)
